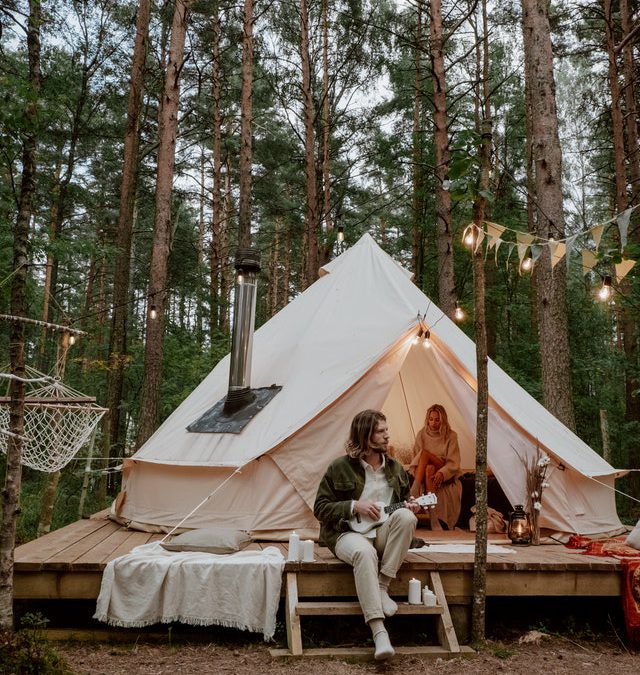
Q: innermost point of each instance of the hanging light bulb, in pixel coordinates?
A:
(416, 339)
(153, 313)
(446, 183)
(72, 339)
(468, 236)
(458, 314)
(340, 233)
(527, 264)
(605, 291)
(427, 340)
(240, 278)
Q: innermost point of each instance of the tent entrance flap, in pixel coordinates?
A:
(217, 421)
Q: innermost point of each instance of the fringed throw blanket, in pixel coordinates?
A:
(629, 556)
(151, 585)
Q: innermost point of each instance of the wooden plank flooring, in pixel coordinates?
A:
(68, 563)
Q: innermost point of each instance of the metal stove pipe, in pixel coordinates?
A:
(247, 266)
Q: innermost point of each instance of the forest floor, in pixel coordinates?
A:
(546, 654)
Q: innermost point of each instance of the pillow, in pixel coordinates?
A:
(633, 538)
(209, 540)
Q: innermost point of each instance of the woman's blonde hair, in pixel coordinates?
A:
(445, 429)
(363, 427)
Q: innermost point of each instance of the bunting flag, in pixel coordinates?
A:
(596, 234)
(558, 250)
(589, 260)
(495, 232)
(479, 237)
(622, 221)
(623, 268)
(524, 240)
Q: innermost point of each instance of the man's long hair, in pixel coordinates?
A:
(362, 429)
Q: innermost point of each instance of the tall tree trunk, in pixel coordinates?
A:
(444, 240)
(286, 268)
(225, 231)
(478, 612)
(157, 296)
(631, 108)
(216, 216)
(417, 250)
(311, 219)
(550, 285)
(13, 472)
(326, 121)
(627, 322)
(246, 123)
(112, 443)
(200, 250)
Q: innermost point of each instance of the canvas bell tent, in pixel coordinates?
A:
(346, 344)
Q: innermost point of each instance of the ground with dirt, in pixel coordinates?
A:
(550, 654)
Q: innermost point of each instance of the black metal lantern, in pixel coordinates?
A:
(519, 526)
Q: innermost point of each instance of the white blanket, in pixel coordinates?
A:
(460, 548)
(151, 585)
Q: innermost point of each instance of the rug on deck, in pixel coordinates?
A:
(460, 548)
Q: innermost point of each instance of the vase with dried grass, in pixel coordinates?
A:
(536, 468)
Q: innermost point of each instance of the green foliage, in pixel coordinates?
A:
(27, 651)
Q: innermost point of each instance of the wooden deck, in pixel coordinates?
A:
(67, 564)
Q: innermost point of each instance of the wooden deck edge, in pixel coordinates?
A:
(366, 653)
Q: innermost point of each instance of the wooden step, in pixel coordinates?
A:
(353, 608)
(366, 653)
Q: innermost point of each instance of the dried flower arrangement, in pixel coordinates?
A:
(536, 468)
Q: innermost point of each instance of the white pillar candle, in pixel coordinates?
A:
(415, 594)
(307, 551)
(294, 547)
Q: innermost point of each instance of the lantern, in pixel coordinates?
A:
(519, 526)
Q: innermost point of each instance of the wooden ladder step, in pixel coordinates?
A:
(353, 608)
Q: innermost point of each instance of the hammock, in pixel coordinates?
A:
(58, 421)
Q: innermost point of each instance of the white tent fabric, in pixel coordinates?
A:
(344, 345)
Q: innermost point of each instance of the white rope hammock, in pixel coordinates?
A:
(58, 421)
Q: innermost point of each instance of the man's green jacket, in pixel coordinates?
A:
(344, 482)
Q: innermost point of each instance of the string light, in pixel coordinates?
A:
(527, 264)
(605, 291)
(458, 314)
(72, 339)
(468, 236)
(427, 340)
(340, 233)
(446, 184)
(416, 339)
(240, 279)
(153, 313)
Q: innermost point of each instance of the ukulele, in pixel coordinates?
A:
(364, 524)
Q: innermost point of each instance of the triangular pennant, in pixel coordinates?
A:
(511, 247)
(623, 268)
(622, 220)
(524, 241)
(589, 260)
(479, 239)
(557, 250)
(498, 242)
(596, 234)
(536, 252)
(494, 231)
(570, 241)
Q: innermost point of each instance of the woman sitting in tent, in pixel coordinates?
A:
(436, 467)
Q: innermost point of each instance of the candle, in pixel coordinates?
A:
(307, 551)
(428, 597)
(415, 592)
(294, 547)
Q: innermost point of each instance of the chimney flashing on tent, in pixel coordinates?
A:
(218, 421)
(242, 403)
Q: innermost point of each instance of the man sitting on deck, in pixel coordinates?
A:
(350, 492)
